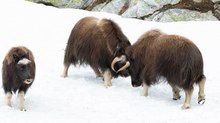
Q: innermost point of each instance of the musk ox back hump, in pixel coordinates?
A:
(98, 42)
(94, 41)
(174, 57)
(179, 60)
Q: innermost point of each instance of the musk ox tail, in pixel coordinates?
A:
(69, 54)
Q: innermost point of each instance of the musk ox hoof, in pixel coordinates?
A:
(108, 85)
(202, 101)
(98, 76)
(64, 75)
(9, 105)
(185, 106)
(23, 110)
(176, 98)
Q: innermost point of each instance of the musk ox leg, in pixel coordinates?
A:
(188, 96)
(97, 72)
(65, 71)
(176, 92)
(8, 98)
(145, 91)
(21, 105)
(107, 78)
(201, 95)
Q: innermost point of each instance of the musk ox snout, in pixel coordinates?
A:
(23, 70)
(136, 83)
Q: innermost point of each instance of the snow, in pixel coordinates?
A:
(81, 97)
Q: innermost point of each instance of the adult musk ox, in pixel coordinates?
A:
(99, 43)
(158, 55)
(18, 73)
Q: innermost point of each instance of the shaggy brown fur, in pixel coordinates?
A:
(96, 42)
(18, 72)
(173, 57)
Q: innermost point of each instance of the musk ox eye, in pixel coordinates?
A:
(15, 57)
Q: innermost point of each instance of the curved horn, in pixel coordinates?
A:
(28, 81)
(124, 67)
(115, 60)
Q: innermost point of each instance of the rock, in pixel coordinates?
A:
(77, 4)
(151, 10)
(114, 6)
(216, 12)
(141, 8)
(174, 15)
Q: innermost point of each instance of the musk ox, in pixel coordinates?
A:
(98, 43)
(158, 55)
(18, 73)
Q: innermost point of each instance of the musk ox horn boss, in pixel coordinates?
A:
(99, 43)
(18, 73)
(172, 57)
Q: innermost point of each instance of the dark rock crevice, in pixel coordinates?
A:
(95, 3)
(124, 8)
(46, 3)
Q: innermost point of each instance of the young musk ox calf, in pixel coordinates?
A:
(172, 57)
(18, 73)
(99, 43)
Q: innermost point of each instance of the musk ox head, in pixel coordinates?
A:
(120, 63)
(23, 70)
(134, 72)
(21, 62)
(134, 66)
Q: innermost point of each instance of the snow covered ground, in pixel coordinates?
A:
(81, 98)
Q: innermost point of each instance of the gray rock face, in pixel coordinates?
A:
(114, 6)
(183, 15)
(152, 10)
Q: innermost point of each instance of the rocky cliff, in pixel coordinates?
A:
(153, 10)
